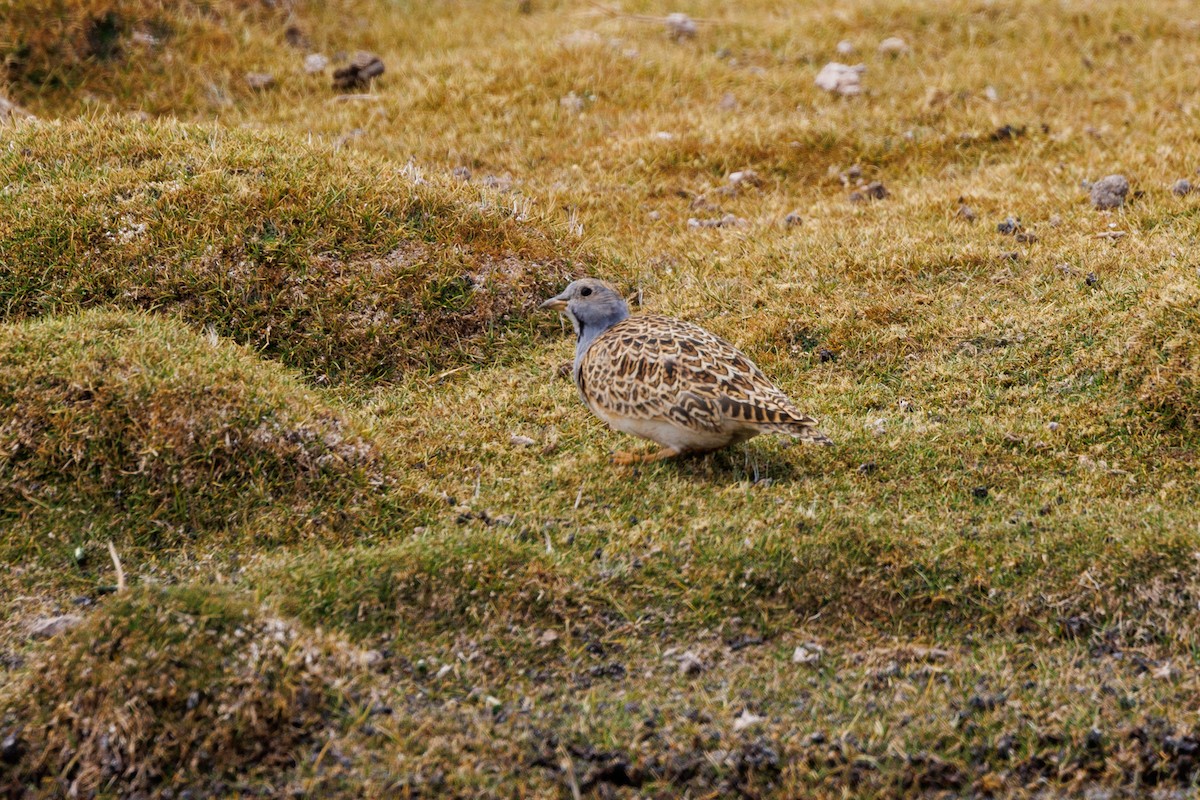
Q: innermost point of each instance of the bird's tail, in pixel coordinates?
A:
(803, 428)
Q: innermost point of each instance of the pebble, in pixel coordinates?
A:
(1182, 187)
(747, 719)
(361, 70)
(966, 212)
(746, 176)
(841, 78)
(793, 219)
(1109, 192)
(314, 63)
(893, 46)
(258, 81)
(807, 653)
(521, 441)
(875, 190)
(845, 48)
(991, 94)
(46, 627)
(1010, 226)
(573, 103)
(680, 26)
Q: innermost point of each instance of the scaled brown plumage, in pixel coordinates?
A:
(669, 380)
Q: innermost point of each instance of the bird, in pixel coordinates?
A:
(668, 380)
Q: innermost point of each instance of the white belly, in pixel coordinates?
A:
(668, 434)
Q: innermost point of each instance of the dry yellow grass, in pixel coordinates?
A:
(998, 557)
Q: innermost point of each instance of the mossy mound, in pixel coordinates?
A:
(180, 688)
(1162, 357)
(335, 264)
(141, 425)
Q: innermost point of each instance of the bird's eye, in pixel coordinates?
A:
(585, 291)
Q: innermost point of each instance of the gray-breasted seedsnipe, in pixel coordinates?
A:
(668, 380)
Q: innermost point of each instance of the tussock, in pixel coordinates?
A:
(167, 433)
(179, 688)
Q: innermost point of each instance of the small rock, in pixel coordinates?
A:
(1182, 187)
(259, 81)
(966, 212)
(443, 671)
(893, 46)
(845, 48)
(362, 69)
(807, 653)
(47, 627)
(728, 102)
(690, 664)
(991, 94)
(875, 190)
(664, 136)
(1109, 192)
(793, 219)
(314, 63)
(654, 216)
(1007, 132)
(547, 638)
(747, 719)
(1027, 237)
(573, 103)
(841, 78)
(521, 441)
(680, 26)
(295, 36)
(747, 176)
(1009, 227)
(462, 173)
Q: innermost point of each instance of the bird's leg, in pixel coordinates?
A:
(623, 458)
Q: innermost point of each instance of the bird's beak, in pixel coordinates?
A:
(558, 303)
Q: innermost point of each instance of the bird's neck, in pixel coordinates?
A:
(587, 331)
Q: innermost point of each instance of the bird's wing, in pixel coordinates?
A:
(659, 368)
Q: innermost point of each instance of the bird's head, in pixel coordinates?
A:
(591, 305)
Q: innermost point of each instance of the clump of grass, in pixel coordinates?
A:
(166, 433)
(1162, 358)
(171, 688)
(334, 264)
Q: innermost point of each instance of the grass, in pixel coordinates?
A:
(997, 559)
